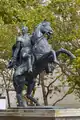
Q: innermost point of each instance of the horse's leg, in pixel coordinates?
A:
(54, 57)
(18, 83)
(67, 52)
(30, 87)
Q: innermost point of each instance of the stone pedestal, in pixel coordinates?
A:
(2, 103)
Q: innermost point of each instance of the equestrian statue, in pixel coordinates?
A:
(33, 53)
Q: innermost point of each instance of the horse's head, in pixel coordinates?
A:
(45, 28)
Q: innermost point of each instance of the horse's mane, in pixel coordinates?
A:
(42, 23)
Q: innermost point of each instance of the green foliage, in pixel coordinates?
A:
(7, 39)
(67, 20)
(62, 14)
(18, 13)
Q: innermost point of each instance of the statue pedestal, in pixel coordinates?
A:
(40, 113)
(2, 103)
(27, 114)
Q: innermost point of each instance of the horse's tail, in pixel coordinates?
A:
(62, 50)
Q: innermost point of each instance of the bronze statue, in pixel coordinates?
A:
(40, 55)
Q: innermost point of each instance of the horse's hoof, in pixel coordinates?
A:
(20, 106)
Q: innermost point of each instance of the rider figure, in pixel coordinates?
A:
(26, 48)
(23, 49)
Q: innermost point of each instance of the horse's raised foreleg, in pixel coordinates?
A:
(58, 52)
(30, 88)
(67, 52)
(18, 83)
(55, 57)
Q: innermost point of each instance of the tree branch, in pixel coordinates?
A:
(48, 87)
(67, 93)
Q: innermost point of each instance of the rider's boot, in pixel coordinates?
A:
(29, 65)
(30, 70)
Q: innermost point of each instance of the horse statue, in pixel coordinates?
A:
(42, 55)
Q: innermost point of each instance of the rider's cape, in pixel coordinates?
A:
(10, 64)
